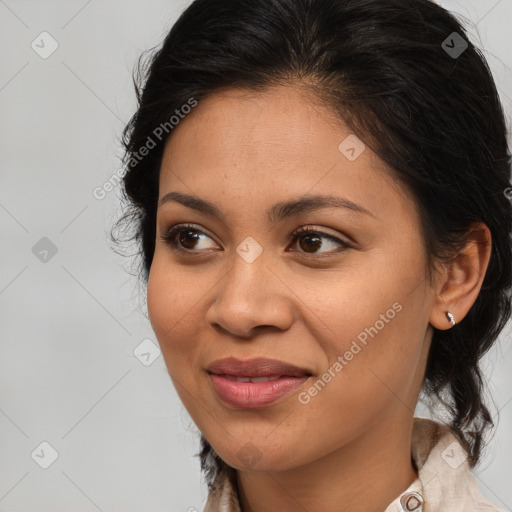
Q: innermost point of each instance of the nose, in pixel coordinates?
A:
(251, 296)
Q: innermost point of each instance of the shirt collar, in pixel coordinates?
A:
(444, 478)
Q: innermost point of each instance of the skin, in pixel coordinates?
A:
(246, 151)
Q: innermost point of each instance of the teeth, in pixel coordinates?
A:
(251, 379)
(238, 379)
(264, 379)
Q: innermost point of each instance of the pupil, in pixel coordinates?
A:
(188, 233)
(314, 245)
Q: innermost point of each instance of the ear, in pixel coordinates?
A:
(461, 280)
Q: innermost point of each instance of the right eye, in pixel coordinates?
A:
(183, 237)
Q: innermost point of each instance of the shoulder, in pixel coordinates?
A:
(446, 478)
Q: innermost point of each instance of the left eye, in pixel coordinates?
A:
(313, 239)
(184, 238)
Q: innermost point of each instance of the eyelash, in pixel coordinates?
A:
(173, 232)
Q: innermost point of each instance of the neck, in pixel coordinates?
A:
(368, 473)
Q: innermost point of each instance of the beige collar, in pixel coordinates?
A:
(444, 481)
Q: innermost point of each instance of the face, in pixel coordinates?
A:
(347, 302)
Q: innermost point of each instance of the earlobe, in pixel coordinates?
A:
(462, 280)
(442, 319)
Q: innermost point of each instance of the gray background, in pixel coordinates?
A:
(70, 325)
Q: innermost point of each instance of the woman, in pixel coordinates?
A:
(319, 191)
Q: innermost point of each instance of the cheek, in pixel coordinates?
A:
(159, 292)
(361, 381)
(171, 302)
(373, 346)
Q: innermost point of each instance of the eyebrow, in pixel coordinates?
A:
(275, 213)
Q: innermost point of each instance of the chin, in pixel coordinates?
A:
(259, 456)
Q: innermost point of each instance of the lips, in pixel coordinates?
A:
(255, 383)
(251, 379)
(254, 395)
(255, 368)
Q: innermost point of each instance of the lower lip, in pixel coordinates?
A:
(251, 395)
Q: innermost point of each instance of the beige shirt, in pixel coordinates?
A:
(444, 483)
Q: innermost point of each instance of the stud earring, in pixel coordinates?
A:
(450, 318)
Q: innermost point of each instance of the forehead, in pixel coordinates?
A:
(281, 142)
(281, 119)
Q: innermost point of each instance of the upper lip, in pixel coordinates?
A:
(257, 367)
